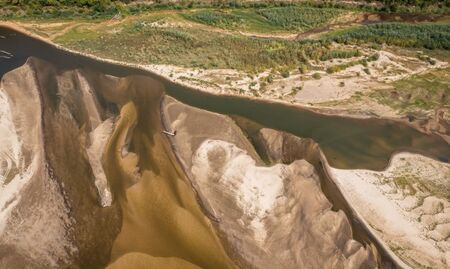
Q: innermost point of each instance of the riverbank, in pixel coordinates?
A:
(115, 67)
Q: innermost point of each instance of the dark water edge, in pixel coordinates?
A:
(346, 142)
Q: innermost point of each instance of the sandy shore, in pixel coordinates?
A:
(408, 208)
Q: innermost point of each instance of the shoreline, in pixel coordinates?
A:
(329, 111)
(415, 124)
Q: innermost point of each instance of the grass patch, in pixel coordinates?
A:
(406, 184)
(426, 35)
(287, 19)
(411, 184)
(299, 18)
(218, 18)
(423, 92)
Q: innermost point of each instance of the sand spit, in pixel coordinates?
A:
(49, 228)
(408, 207)
(270, 217)
(98, 138)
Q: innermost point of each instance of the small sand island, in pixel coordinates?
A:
(225, 134)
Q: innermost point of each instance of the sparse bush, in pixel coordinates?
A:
(316, 76)
(339, 54)
(374, 57)
(285, 73)
(303, 69)
(340, 67)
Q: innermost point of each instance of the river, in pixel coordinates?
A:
(346, 142)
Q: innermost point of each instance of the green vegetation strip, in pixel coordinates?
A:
(108, 8)
(299, 18)
(426, 35)
(141, 43)
(215, 18)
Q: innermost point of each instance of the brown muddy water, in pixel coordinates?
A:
(346, 142)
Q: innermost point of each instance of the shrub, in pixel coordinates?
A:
(285, 73)
(303, 69)
(374, 57)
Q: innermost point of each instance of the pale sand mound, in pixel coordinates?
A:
(280, 210)
(407, 206)
(33, 216)
(51, 216)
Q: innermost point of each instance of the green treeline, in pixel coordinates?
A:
(393, 5)
(98, 8)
